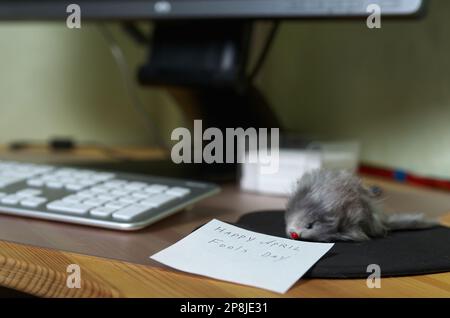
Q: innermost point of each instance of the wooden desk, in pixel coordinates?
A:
(34, 254)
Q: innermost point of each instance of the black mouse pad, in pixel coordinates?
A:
(401, 253)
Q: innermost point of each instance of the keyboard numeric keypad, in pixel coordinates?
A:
(119, 199)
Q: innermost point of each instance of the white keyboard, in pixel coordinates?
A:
(110, 200)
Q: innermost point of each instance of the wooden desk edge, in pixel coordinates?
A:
(44, 273)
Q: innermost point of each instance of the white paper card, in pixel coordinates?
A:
(223, 251)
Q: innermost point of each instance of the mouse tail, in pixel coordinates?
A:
(409, 222)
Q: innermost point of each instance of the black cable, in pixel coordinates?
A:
(264, 52)
(124, 69)
(136, 33)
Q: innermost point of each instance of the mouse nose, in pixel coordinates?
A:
(295, 235)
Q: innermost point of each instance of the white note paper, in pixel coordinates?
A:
(226, 252)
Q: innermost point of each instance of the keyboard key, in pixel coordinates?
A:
(94, 202)
(133, 186)
(141, 195)
(11, 199)
(13, 173)
(65, 172)
(157, 200)
(128, 200)
(86, 194)
(50, 177)
(28, 193)
(105, 197)
(114, 184)
(119, 193)
(131, 212)
(102, 212)
(38, 199)
(73, 199)
(102, 176)
(66, 180)
(74, 186)
(156, 188)
(36, 182)
(87, 182)
(178, 191)
(74, 208)
(116, 205)
(99, 189)
(33, 202)
(54, 184)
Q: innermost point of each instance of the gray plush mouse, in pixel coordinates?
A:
(329, 206)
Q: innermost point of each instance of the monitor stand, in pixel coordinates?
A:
(203, 65)
(221, 109)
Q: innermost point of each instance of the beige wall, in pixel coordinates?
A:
(60, 82)
(390, 88)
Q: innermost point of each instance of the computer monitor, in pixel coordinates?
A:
(201, 9)
(202, 45)
(199, 48)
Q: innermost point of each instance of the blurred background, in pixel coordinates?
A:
(388, 88)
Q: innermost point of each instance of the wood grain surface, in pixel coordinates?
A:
(43, 272)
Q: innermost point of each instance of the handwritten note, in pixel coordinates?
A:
(226, 252)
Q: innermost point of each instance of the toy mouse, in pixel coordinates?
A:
(329, 206)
